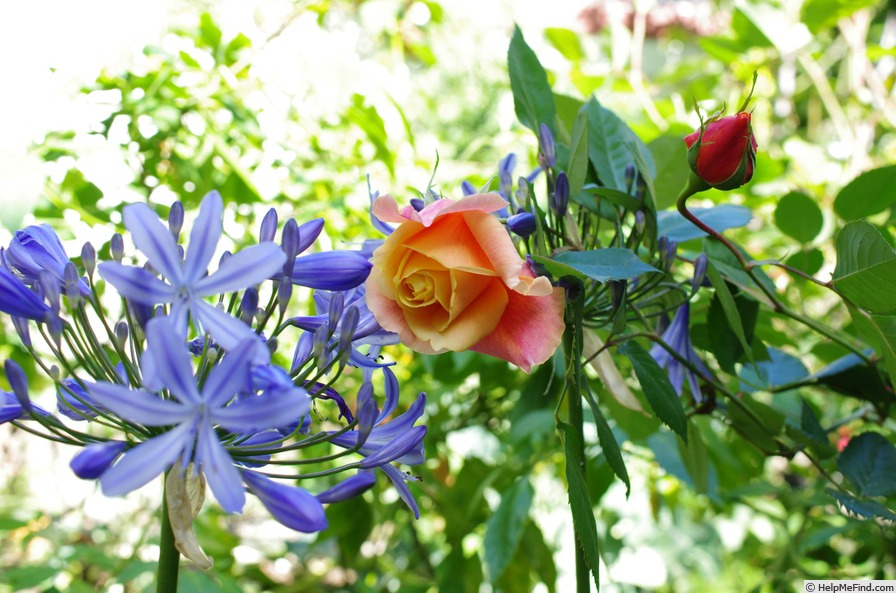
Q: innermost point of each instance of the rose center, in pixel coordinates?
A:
(418, 290)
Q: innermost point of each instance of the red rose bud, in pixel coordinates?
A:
(723, 152)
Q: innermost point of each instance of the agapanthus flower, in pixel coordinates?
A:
(192, 413)
(187, 279)
(18, 300)
(37, 249)
(677, 336)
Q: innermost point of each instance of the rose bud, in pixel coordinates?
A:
(723, 152)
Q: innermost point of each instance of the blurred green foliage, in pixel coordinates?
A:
(720, 514)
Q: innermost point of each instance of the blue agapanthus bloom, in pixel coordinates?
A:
(187, 279)
(677, 335)
(36, 249)
(18, 300)
(193, 413)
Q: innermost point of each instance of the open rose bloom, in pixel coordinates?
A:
(450, 278)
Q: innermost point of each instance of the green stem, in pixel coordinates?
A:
(169, 556)
(572, 348)
(695, 185)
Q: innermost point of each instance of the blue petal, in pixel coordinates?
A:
(155, 241)
(138, 405)
(308, 233)
(147, 460)
(392, 392)
(94, 459)
(228, 331)
(257, 413)
(399, 447)
(244, 269)
(204, 237)
(331, 270)
(399, 478)
(10, 408)
(348, 488)
(290, 505)
(231, 376)
(16, 298)
(136, 284)
(217, 466)
(172, 360)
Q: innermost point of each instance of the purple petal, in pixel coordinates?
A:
(228, 331)
(10, 408)
(308, 233)
(290, 505)
(399, 478)
(231, 376)
(244, 269)
(204, 237)
(136, 284)
(217, 466)
(392, 392)
(155, 241)
(16, 299)
(348, 488)
(172, 360)
(138, 405)
(397, 449)
(144, 462)
(94, 459)
(257, 413)
(331, 270)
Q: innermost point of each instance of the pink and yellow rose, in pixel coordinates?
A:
(450, 278)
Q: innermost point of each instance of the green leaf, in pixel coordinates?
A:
(610, 263)
(871, 192)
(505, 527)
(657, 388)
(678, 228)
(566, 42)
(780, 370)
(723, 343)
(798, 216)
(729, 306)
(671, 157)
(610, 143)
(866, 268)
(578, 154)
(695, 457)
(807, 261)
(880, 333)
(619, 198)
(608, 443)
(850, 375)
(733, 272)
(533, 100)
(579, 501)
(863, 509)
(869, 461)
(824, 14)
(756, 422)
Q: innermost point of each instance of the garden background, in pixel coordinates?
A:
(294, 104)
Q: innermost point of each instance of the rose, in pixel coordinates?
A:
(450, 278)
(723, 152)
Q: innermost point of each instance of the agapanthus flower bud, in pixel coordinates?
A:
(268, 226)
(289, 242)
(522, 223)
(467, 188)
(290, 505)
(248, 304)
(666, 249)
(522, 191)
(176, 219)
(21, 326)
(308, 233)
(18, 300)
(116, 247)
(18, 382)
(284, 294)
(94, 459)
(49, 285)
(699, 271)
(88, 258)
(723, 152)
(334, 310)
(121, 332)
(546, 155)
(303, 351)
(331, 270)
(560, 197)
(417, 204)
(348, 488)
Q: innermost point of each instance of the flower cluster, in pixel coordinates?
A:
(183, 379)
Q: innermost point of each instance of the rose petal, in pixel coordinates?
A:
(450, 242)
(529, 331)
(391, 316)
(386, 208)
